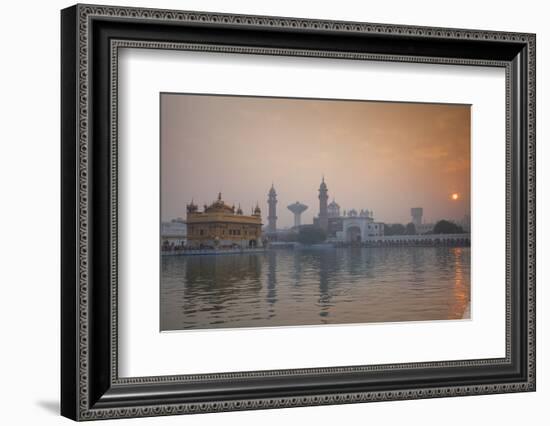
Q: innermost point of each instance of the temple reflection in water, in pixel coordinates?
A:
(314, 287)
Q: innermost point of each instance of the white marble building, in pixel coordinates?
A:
(173, 234)
(357, 227)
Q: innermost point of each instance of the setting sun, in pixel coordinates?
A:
(454, 196)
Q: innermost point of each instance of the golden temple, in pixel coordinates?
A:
(221, 225)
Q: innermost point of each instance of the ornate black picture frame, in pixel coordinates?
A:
(91, 387)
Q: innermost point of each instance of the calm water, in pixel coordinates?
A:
(305, 287)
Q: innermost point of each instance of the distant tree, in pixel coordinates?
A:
(311, 234)
(410, 229)
(447, 227)
(398, 229)
(288, 237)
(394, 229)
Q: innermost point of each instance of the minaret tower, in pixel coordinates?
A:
(272, 215)
(323, 200)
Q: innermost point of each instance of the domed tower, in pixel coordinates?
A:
(323, 208)
(257, 211)
(272, 215)
(192, 208)
(333, 209)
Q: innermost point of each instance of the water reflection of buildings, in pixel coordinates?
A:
(303, 287)
(327, 267)
(210, 290)
(271, 294)
(223, 271)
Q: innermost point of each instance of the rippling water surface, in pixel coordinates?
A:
(311, 287)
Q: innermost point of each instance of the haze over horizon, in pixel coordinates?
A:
(382, 156)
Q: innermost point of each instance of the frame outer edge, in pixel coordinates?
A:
(81, 342)
(69, 221)
(531, 200)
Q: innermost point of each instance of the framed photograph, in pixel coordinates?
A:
(263, 212)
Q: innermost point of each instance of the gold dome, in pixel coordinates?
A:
(219, 206)
(257, 211)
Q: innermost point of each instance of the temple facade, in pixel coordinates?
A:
(220, 225)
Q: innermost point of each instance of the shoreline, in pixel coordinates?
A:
(212, 252)
(426, 240)
(297, 246)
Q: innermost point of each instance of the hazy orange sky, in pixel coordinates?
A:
(382, 156)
